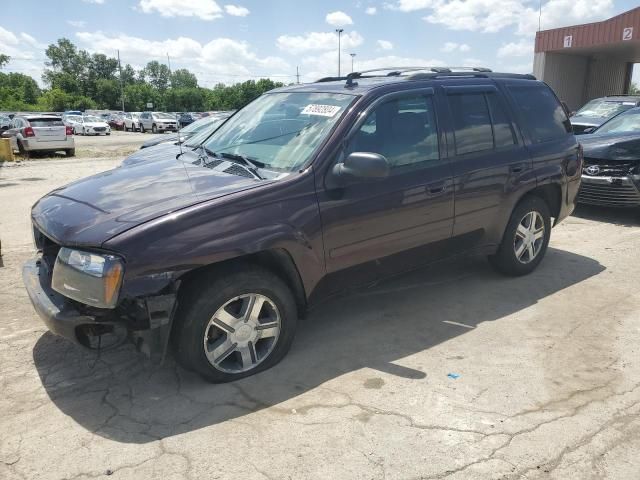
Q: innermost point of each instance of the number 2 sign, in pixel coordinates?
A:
(627, 33)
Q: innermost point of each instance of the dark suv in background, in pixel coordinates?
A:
(304, 192)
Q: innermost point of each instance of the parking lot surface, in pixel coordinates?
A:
(448, 372)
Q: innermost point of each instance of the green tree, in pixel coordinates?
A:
(634, 89)
(183, 78)
(4, 59)
(157, 74)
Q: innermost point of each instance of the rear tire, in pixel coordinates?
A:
(525, 239)
(217, 352)
(154, 128)
(71, 152)
(141, 128)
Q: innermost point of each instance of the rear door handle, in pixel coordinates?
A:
(437, 189)
(516, 168)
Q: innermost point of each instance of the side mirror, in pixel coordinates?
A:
(361, 165)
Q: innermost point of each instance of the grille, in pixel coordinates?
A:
(48, 247)
(99, 129)
(212, 163)
(609, 195)
(238, 170)
(609, 168)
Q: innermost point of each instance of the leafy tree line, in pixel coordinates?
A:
(78, 80)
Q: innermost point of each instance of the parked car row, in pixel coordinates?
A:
(87, 124)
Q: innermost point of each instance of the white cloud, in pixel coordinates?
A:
(316, 41)
(26, 53)
(371, 10)
(385, 45)
(409, 5)
(236, 11)
(204, 9)
(338, 19)
(219, 60)
(77, 23)
(449, 47)
(495, 15)
(98, 2)
(516, 49)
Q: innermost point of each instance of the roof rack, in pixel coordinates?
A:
(423, 73)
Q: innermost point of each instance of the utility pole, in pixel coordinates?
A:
(121, 82)
(352, 57)
(339, 31)
(169, 63)
(297, 75)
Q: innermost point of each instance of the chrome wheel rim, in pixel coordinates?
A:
(529, 237)
(242, 333)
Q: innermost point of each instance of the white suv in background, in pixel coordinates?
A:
(40, 133)
(158, 122)
(131, 121)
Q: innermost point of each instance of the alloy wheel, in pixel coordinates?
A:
(242, 333)
(529, 237)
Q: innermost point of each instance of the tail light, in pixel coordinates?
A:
(28, 132)
(69, 131)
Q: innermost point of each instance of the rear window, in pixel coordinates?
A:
(46, 122)
(541, 112)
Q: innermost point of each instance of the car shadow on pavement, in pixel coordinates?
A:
(625, 217)
(122, 397)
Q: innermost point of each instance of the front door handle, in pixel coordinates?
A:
(516, 168)
(435, 190)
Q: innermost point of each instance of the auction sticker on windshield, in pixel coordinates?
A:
(322, 110)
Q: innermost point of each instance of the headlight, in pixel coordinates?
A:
(90, 278)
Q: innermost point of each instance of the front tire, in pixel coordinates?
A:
(141, 128)
(154, 128)
(525, 239)
(238, 323)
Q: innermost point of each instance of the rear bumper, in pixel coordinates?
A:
(31, 145)
(569, 200)
(609, 191)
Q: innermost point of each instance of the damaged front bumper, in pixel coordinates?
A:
(148, 324)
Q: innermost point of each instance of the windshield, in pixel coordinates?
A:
(280, 130)
(91, 118)
(74, 118)
(204, 133)
(604, 108)
(625, 122)
(198, 125)
(163, 116)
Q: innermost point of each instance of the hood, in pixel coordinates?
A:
(611, 146)
(161, 151)
(587, 121)
(93, 210)
(96, 124)
(165, 138)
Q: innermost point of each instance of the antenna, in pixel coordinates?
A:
(297, 75)
(121, 84)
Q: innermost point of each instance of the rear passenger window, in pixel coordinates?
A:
(502, 132)
(541, 112)
(471, 122)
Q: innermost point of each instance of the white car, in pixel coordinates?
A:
(40, 133)
(131, 121)
(158, 122)
(72, 121)
(92, 125)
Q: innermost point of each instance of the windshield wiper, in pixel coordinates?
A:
(250, 165)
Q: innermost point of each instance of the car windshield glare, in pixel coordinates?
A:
(281, 130)
(164, 116)
(91, 118)
(603, 109)
(623, 123)
(198, 125)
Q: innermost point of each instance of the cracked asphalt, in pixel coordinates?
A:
(548, 365)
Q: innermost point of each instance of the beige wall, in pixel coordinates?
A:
(576, 79)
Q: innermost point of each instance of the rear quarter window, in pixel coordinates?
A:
(541, 112)
(46, 122)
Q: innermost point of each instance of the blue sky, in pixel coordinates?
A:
(228, 42)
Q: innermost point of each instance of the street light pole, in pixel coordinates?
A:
(352, 57)
(339, 31)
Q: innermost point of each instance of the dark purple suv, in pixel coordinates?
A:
(219, 249)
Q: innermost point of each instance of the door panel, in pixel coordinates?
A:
(369, 220)
(489, 161)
